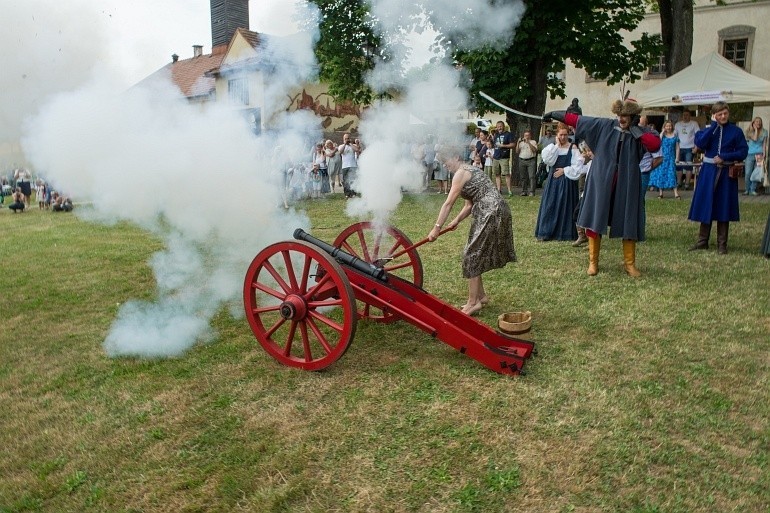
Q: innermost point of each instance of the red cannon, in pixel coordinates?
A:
(303, 299)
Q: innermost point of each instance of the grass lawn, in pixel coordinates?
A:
(647, 395)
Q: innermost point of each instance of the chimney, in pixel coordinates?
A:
(197, 50)
(174, 57)
(226, 17)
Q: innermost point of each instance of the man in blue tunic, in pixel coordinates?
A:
(716, 195)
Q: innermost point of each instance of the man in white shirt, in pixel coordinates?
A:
(348, 152)
(685, 130)
(526, 149)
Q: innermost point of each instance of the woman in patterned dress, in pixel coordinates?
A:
(664, 176)
(490, 241)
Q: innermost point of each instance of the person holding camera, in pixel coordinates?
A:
(501, 163)
(348, 152)
(17, 199)
(526, 149)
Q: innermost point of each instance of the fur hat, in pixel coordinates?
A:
(627, 107)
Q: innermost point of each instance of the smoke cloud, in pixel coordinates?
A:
(200, 179)
(197, 178)
(432, 97)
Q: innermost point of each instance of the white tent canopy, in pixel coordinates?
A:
(712, 78)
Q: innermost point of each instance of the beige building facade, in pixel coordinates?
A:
(736, 31)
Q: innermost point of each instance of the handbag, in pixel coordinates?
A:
(734, 171)
(757, 175)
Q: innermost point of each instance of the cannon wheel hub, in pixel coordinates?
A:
(293, 308)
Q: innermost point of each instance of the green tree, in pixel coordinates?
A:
(676, 31)
(520, 74)
(347, 48)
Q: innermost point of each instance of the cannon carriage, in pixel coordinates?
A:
(303, 299)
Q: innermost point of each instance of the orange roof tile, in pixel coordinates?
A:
(189, 75)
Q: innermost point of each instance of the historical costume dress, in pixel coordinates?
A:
(716, 194)
(560, 197)
(490, 241)
(664, 176)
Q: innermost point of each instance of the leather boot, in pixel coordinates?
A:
(629, 258)
(582, 239)
(703, 237)
(594, 244)
(722, 229)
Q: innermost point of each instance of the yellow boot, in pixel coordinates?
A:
(594, 243)
(629, 258)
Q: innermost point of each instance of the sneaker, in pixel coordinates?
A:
(753, 193)
(530, 194)
(523, 194)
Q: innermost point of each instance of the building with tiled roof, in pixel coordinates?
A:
(191, 76)
(241, 72)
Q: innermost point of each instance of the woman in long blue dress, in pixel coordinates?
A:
(664, 176)
(560, 195)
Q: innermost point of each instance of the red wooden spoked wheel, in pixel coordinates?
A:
(378, 244)
(299, 304)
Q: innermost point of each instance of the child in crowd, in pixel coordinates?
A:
(40, 194)
(315, 181)
(489, 152)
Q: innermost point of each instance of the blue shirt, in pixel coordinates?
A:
(757, 146)
(502, 153)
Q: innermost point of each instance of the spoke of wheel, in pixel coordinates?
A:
(290, 270)
(268, 290)
(376, 252)
(318, 285)
(347, 247)
(290, 338)
(395, 255)
(278, 324)
(265, 309)
(277, 277)
(364, 248)
(326, 320)
(305, 341)
(319, 336)
(305, 275)
(321, 304)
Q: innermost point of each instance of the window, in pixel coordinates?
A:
(736, 44)
(238, 90)
(658, 68)
(735, 51)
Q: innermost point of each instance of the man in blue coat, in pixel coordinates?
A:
(716, 195)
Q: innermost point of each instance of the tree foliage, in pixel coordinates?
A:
(347, 48)
(521, 73)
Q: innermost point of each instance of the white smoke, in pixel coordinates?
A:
(198, 178)
(432, 97)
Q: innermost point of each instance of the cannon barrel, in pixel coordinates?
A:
(343, 257)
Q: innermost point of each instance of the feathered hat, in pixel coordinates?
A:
(626, 107)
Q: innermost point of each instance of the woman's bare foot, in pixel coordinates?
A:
(471, 309)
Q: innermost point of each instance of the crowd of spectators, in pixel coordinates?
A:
(18, 187)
